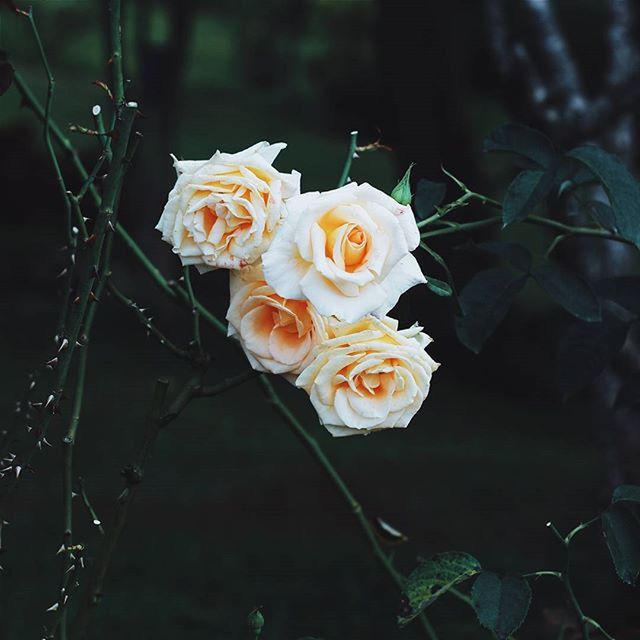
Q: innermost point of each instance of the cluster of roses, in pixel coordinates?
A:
(313, 276)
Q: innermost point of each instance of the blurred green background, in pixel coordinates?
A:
(233, 512)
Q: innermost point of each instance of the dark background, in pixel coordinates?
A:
(233, 512)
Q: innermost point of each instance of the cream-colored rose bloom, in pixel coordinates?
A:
(277, 335)
(224, 212)
(368, 376)
(346, 251)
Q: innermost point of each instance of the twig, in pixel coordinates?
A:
(157, 419)
(115, 51)
(312, 445)
(316, 451)
(95, 521)
(68, 442)
(47, 126)
(29, 100)
(565, 576)
(194, 309)
(145, 321)
(227, 383)
(133, 476)
(181, 294)
(98, 121)
(566, 579)
(566, 229)
(90, 259)
(353, 143)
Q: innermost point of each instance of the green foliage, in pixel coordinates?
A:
(514, 254)
(621, 530)
(626, 493)
(569, 290)
(523, 142)
(434, 577)
(602, 213)
(402, 191)
(484, 302)
(255, 622)
(428, 196)
(571, 174)
(621, 187)
(501, 603)
(526, 192)
(584, 349)
(439, 287)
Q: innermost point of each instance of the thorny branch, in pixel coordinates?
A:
(91, 282)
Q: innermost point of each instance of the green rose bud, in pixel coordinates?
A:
(255, 621)
(402, 191)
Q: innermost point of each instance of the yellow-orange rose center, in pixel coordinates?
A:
(346, 242)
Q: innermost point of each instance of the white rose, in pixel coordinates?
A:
(223, 212)
(346, 251)
(277, 335)
(368, 376)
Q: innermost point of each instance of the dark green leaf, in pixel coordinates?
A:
(432, 578)
(602, 213)
(428, 196)
(515, 254)
(622, 533)
(584, 349)
(6, 73)
(571, 174)
(524, 194)
(623, 290)
(440, 260)
(569, 291)
(439, 287)
(621, 187)
(626, 493)
(521, 141)
(484, 302)
(501, 603)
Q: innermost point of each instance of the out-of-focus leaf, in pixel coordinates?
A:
(602, 213)
(439, 287)
(484, 302)
(626, 493)
(623, 290)
(515, 254)
(621, 531)
(428, 196)
(432, 578)
(6, 73)
(584, 349)
(521, 141)
(621, 187)
(569, 291)
(501, 603)
(527, 190)
(571, 174)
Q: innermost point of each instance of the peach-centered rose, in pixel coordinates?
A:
(224, 212)
(368, 376)
(346, 251)
(276, 334)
